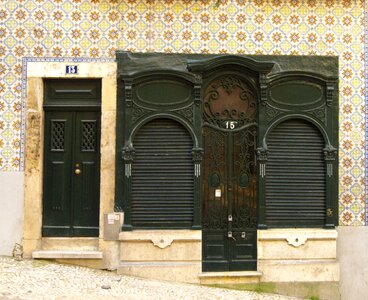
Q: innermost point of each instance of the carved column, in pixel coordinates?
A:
(330, 155)
(128, 156)
(197, 155)
(262, 154)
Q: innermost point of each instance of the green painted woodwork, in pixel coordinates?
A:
(71, 166)
(76, 93)
(297, 93)
(154, 86)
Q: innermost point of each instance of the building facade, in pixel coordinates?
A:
(77, 104)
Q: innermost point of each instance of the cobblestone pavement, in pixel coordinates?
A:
(34, 279)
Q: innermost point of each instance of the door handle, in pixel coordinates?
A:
(77, 171)
(230, 235)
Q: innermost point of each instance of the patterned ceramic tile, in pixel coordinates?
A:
(366, 107)
(94, 29)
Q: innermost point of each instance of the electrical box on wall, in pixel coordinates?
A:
(112, 226)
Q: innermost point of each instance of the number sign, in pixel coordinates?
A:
(71, 70)
(230, 124)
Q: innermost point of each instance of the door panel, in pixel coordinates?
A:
(57, 178)
(71, 174)
(86, 184)
(229, 206)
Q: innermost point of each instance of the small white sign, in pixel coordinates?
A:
(218, 193)
(111, 219)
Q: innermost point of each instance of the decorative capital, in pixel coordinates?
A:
(128, 154)
(197, 154)
(330, 153)
(128, 82)
(262, 154)
(197, 94)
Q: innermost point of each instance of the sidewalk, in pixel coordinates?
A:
(34, 279)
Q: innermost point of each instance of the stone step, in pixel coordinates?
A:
(230, 277)
(67, 254)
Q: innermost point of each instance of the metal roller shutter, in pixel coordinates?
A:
(295, 176)
(162, 176)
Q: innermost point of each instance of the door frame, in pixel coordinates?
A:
(70, 191)
(35, 118)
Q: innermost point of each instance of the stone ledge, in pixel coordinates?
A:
(230, 277)
(69, 243)
(161, 238)
(231, 274)
(148, 235)
(67, 254)
(307, 233)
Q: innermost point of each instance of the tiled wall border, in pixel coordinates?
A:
(366, 104)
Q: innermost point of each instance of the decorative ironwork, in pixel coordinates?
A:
(229, 98)
(244, 217)
(215, 216)
(57, 135)
(230, 190)
(262, 154)
(197, 155)
(128, 154)
(330, 156)
(244, 194)
(88, 136)
(214, 208)
(330, 153)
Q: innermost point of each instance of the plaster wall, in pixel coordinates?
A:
(11, 212)
(353, 257)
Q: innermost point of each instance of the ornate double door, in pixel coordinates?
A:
(229, 200)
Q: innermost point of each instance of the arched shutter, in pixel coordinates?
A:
(295, 176)
(162, 176)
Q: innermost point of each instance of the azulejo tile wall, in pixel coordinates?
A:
(80, 29)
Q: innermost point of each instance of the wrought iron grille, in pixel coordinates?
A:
(57, 135)
(89, 136)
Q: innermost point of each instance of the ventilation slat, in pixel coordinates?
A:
(295, 175)
(162, 176)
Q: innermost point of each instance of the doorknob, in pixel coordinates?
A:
(77, 171)
(230, 235)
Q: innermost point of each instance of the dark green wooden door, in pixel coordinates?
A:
(71, 173)
(229, 208)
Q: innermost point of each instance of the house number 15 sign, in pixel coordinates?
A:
(71, 70)
(230, 124)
